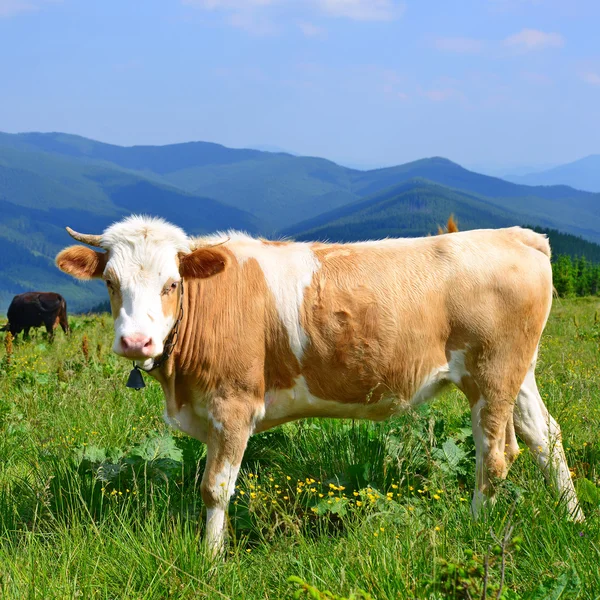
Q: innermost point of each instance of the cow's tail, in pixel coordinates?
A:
(537, 241)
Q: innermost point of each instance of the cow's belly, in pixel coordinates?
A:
(297, 402)
(282, 406)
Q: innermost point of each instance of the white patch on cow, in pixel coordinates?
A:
(188, 421)
(216, 424)
(143, 257)
(288, 271)
(430, 386)
(222, 488)
(452, 371)
(215, 534)
(456, 366)
(538, 429)
(225, 480)
(298, 402)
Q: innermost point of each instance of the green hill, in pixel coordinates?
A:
(282, 189)
(559, 207)
(277, 188)
(410, 209)
(417, 208)
(40, 193)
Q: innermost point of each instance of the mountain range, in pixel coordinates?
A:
(583, 174)
(50, 180)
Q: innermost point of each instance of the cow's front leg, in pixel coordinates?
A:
(231, 422)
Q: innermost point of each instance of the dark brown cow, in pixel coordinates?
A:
(34, 309)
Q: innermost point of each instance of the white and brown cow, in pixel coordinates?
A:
(276, 331)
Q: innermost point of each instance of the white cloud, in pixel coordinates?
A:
(460, 45)
(444, 89)
(536, 78)
(363, 10)
(533, 39)
(439, 95)
(11, 8)
(591, 78)
(513, 4)
(252, 23)
(310, 29)
(228, 4)
(259, 16)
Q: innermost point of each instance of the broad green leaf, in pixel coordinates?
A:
(156, 447)
(587, 491)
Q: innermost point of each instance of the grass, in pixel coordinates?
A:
(99, 500)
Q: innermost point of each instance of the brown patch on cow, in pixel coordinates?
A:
(82, 262)
(170, 299)
(202, 263)
(231, 338)
(365, 342)
(468, 386)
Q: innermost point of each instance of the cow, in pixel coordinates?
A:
(245, 334)
(34, 309)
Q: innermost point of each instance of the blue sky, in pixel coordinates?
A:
(369, 82)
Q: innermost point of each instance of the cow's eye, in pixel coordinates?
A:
(109, 284)
(169, 288)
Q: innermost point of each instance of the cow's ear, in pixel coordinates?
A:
(82, 262)
(202, 263)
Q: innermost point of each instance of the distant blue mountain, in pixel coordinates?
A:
(583, 174)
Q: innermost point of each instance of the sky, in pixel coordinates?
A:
(490, 83)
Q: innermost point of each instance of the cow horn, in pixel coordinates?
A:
(86, 238)
(218, 243)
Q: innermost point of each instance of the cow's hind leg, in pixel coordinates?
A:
(536, 427)
(492, 385)
(489, 419)
(231, 422)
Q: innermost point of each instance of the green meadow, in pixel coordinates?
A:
(98, 499)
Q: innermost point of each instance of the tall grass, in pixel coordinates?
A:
(99, 500)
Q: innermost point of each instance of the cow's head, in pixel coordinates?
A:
(142, 263)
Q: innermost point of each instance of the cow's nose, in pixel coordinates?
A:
(137, 345)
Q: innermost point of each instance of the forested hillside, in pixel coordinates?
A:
(41, 193)
(410, 209)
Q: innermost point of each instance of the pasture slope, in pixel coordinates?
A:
(98, 499)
